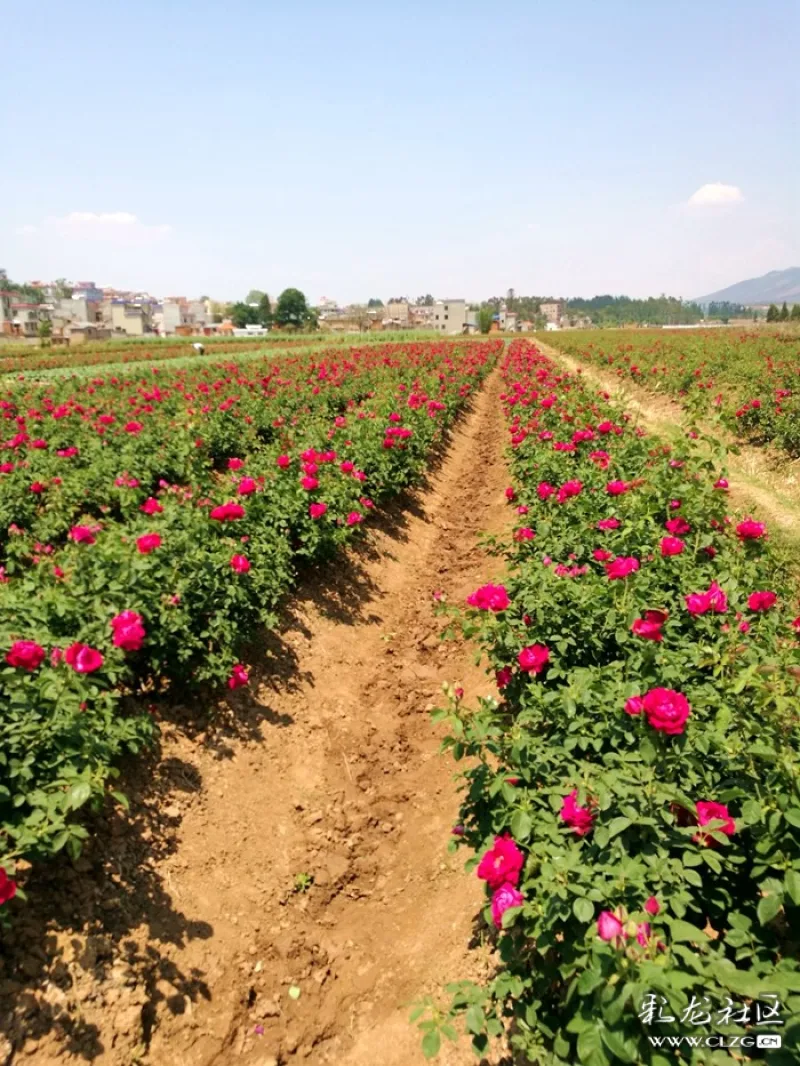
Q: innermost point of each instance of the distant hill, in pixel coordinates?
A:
(772, 288)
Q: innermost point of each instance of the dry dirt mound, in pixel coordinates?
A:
(181, 937)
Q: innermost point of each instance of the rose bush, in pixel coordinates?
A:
(646, 769)
(171, 511)
(748, 377)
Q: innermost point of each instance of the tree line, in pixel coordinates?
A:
(291, 311)
(784, 314)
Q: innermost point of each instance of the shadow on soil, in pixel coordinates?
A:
(98, 935)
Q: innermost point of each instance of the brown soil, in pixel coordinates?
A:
(759, 478)
(179, 937)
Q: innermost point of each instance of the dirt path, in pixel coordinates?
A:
(759, 478)
(180, 940)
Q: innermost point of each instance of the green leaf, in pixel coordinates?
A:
(680, 930)
(589, 981)
(475, 1020)
(769, 907)
(521, 825)
(617, 825)
(583, 909)
(590, 1047)
(792, 885)
(431, 1043)
(79, 794)
(617, 1046)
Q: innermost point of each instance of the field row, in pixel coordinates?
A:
(16, 359)
(150, 524)
(632, 802)
(752, 380)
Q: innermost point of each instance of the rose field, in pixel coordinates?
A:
(233, 591)
(751, 379)
(149, 525)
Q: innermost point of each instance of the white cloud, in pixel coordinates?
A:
(118, 227)
(714, 194)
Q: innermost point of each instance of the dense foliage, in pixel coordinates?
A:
(633, 799)
(148, 525)
(751, 379)
(654, 311)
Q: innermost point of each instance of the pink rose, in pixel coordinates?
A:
(643, 934)
(129, 632)
(677, 526)
(240, 563)
(750, 530)
(652, 906)
(83, 659)
(634, 705)
(671, 546)
(666, 710)
(708, 811)
(503, 676)
(609, 927)
(534, 658)
(8, 888)
(239, 677)
(505, 897)
(502, 863)
(317, 510)
(309, 483)
(578, 818)
(649, 627)
(621, 568)
(544, 490)
(246, 486)
(227, 512)
(25, 655)
(283, 461)
(609, 523)
(82, 535)
(151, 506)
(761, 601)
(148, 543)
(489, 598)
(568, 490)
(617, 488)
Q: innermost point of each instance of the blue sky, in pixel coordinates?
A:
(356, 149)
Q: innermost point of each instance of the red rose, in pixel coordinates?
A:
(148, 543)
(83, 659)
(25, 654)
(533, 659)
(666, 710)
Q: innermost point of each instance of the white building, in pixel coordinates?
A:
(450, 316)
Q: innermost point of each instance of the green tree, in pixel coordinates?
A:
(45, 331)
(795, 315)
(255, 296)
(374, 302)
(243, 314)
(265, 311)
(773, 314)
(485, 319)
(292, 311)
(784, 315)
(424, 301)
(62, 288)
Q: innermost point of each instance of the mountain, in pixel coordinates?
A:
(772, 288)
